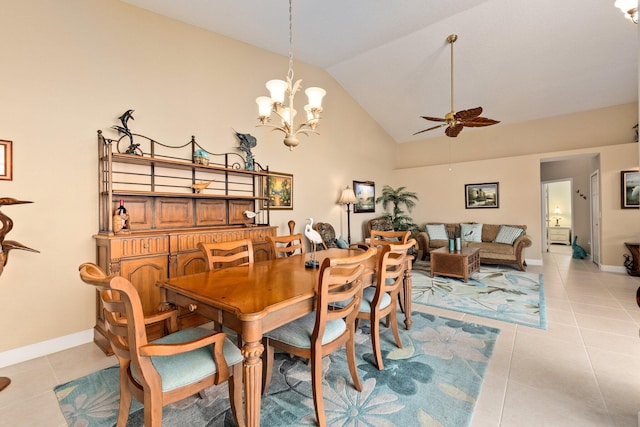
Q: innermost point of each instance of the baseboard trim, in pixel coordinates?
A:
(32, 351)
(613, 268)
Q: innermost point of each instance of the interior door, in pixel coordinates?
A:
(594, 189)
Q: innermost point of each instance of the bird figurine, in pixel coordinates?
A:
(315, 239)
(7, 225)
(199, 186)
(250, 215)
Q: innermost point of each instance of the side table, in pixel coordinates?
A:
(459, 264)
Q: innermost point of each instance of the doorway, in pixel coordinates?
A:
(557, 214)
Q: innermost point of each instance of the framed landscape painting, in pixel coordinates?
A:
(481, 195)
(366, 195)
(279, 191)
(630, 186)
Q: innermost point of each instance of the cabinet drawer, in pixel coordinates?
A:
(138, 246)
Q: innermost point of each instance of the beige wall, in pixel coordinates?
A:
(71, 68)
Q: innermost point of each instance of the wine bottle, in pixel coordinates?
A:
(122, 211)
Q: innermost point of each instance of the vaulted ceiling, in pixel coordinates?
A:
(519, 59)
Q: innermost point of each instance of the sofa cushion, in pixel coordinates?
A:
(436, 232)
(471, 232)
(508, 234)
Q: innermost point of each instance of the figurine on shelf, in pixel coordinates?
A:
(247, 142)
(124, 119)
(121, 220)
(201, 157)
(199, 186)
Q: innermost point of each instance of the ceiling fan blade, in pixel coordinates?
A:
(453, 131)
(434, 119)
(468, 114)
(431, 128)
(479, 122)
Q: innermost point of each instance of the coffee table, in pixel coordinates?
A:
(459, 264)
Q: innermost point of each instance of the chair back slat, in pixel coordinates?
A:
(227, 254)
(286, 246)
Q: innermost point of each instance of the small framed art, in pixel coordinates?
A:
(630, 189)
(481, 195)
(366, 195)
(279, 191)
(6, 160)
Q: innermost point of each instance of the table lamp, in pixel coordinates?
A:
(557, 218)
(347, 198)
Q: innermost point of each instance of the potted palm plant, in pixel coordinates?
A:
(399, 197)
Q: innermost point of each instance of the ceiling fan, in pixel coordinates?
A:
(456, 121)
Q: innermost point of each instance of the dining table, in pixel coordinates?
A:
(257, 298)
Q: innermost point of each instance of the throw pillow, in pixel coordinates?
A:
(508, 234)
(471, 232)
(342, 244)
(437, 232)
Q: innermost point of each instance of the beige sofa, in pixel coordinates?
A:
(490, 252)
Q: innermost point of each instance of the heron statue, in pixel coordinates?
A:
(315, 239)
(6, 224)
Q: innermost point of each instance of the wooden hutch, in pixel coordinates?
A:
(168, 217)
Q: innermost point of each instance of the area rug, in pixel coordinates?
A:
(433, 381)
(496, 293)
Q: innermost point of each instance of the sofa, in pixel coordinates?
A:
(498, 243)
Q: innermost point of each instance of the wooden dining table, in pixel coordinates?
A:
(257, 298)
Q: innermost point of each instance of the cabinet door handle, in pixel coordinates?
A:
(192, 307)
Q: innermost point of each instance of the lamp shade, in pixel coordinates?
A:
(557, 210)
(629, 8)
(315, 95)
(277, 89)
(347, 196)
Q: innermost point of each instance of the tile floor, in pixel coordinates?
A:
(583, 371)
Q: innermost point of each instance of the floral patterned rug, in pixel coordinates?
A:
(496, 293)
(433, 381)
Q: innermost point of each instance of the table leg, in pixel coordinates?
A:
(252, 352)
(407, 288)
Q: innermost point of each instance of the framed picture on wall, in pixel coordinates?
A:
(6, 160)
(481, 195)
(366, 195)
(278, 187)
(630, 189)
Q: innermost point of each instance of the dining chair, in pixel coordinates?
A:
(327, 328)
(378, 238)
(380, 301)
(166, 370)
(227, 254)
(286, 246)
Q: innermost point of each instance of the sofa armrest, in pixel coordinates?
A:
(523, 241)
(423, 245)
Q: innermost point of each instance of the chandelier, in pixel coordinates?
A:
(629, 8)
(275, 104)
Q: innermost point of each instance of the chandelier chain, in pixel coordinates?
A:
(290, 73)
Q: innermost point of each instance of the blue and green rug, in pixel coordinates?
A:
(433, 381)
(496, 293)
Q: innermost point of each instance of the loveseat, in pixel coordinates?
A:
(498, 243)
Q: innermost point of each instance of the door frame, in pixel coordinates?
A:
(595, 216)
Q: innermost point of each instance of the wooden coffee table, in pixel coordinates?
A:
(459, 264)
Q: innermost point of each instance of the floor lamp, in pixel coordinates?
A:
(348, 197)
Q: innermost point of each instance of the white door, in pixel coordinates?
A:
(595, 217)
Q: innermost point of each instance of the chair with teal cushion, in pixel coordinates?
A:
(327, 328)
(380, 301)
(166, 370)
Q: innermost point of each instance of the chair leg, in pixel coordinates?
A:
(351, 360)
(316, 386)
(235, 394)
(394, 325)
(152, 409)
(267, 364)
(125, 398)
(375, 341)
